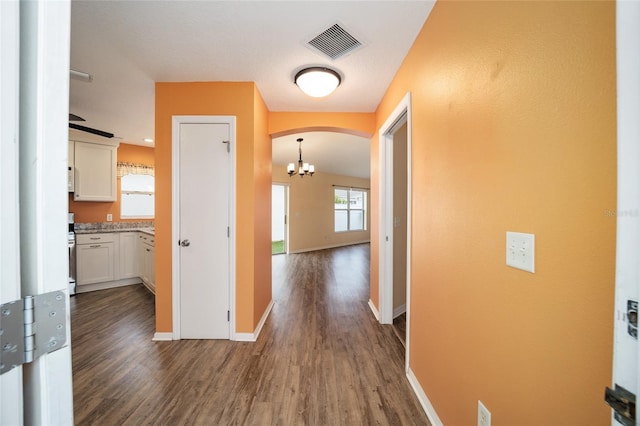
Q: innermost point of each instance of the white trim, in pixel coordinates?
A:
(626, 351)
(424, 400)
(374, 310)
(11, 389)
(252, 337)
(86, 288)
(43, 146)
(399, 311)
(401, 113)
(175, 212)
(330, 246)
(162, 336)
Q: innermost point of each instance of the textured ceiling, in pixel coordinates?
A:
(129, 45)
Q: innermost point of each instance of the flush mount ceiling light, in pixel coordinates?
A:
(303, 168)
(317, 81)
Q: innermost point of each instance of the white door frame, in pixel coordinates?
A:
(10, 382)
(628, 204)
(401, 113)
(175, 209)
(34, 88)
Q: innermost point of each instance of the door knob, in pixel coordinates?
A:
(185, 243)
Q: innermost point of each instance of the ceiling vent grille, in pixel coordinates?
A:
(335, 42)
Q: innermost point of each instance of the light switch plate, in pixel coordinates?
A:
(521, 251)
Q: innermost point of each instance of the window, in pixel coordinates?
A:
(137, 196)
(350, 207)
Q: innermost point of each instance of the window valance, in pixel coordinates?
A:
(135, 169)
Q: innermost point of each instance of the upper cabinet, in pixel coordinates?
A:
(95, 171)
(92, 167)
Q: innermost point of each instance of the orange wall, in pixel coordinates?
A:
(356, 123)
(242, 100)
(514, 129)
(262, 212)
(87, 211)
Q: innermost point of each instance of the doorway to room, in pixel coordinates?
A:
(395, 221)
(279, 225)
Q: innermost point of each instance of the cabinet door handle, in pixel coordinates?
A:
(95, 238)
(96, 246)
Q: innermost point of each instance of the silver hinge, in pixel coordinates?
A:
(31, 327)
(228, 316)
(228, 232)
(228, 145)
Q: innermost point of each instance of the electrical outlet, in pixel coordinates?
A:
(109, 217)
(521, 251)
(484, 415)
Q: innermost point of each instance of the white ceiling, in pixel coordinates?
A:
(129, 45)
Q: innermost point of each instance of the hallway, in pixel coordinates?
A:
(321, 359)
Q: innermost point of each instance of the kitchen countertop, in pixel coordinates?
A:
(150, 231)
(100, 227)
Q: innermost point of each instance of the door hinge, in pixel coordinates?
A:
(228, 316)
(623, 403)
(228, 232)
(228, 145)
(31, 327)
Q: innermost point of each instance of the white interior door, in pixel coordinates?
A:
(204, 230)
(34, 98)
(626, 377)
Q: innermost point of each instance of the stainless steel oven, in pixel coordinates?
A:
(71, 242)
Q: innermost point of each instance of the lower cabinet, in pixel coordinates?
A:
(128, 255)
(95, 258)
(147, 261)
(107, 260)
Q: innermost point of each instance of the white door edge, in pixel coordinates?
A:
(626, 353)
(176, 121)
(44, 107)
(11, 382)
(401, 113)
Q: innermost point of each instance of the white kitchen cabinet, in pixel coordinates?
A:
(95, 172)
(128, 255)
(95, 258)
(146, 249)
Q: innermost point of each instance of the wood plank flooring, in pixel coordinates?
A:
(321, 359)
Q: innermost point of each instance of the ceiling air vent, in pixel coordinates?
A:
(335, 42)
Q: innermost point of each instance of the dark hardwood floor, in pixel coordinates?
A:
(321, 359)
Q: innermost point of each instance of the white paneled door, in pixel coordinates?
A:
(204, 230)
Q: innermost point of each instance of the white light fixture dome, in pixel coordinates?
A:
(317, 81)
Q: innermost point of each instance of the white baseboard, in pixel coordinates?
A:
(424, 401)
(374, 310)
(162, 337)
(329, 247)
(85, 288)
(252, 337)
(399, 311)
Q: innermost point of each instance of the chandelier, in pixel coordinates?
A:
(303, 168)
